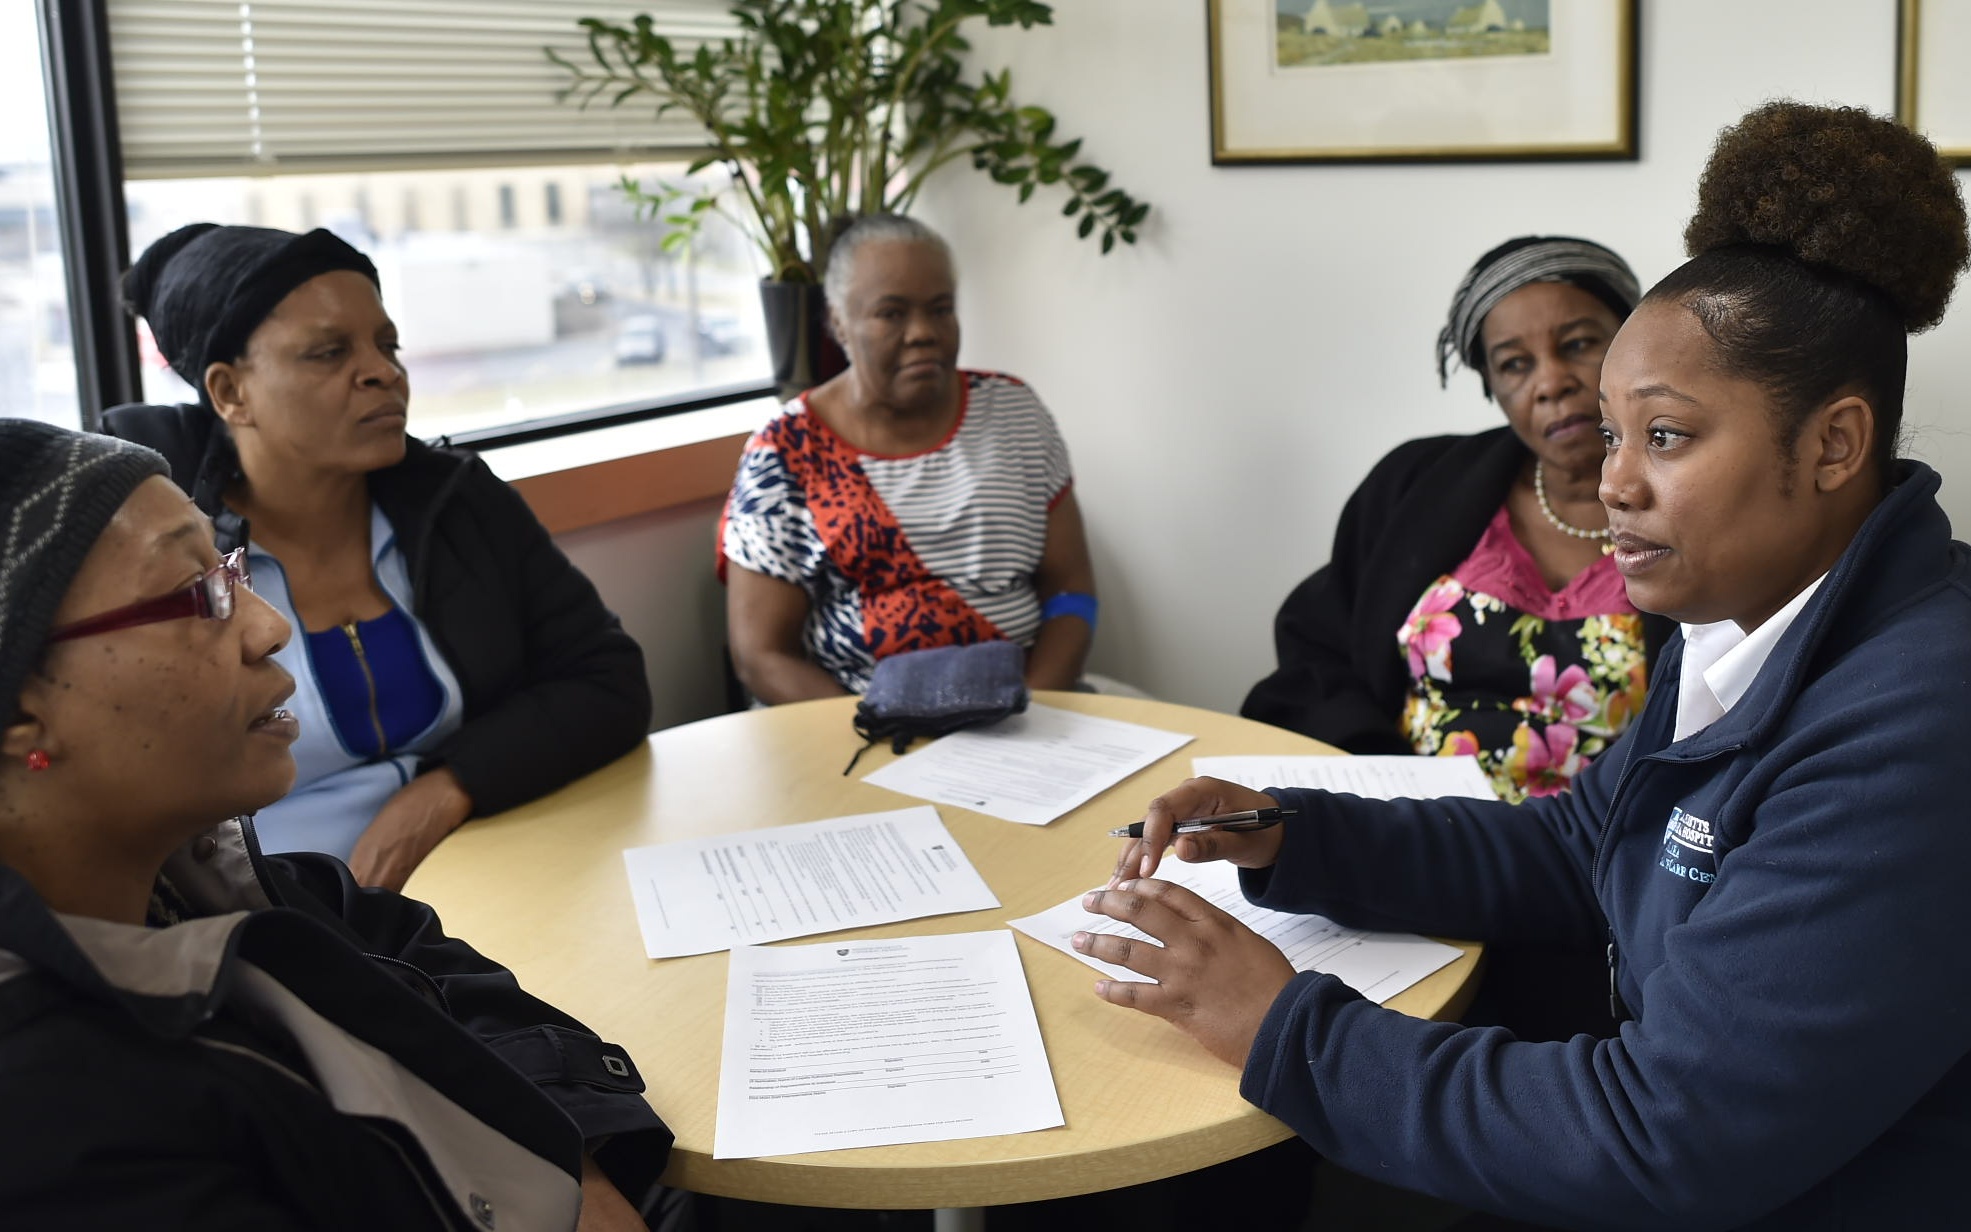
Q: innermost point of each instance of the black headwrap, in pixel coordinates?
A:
(205, 288)
(1516, 263)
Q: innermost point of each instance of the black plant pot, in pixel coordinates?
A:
(804, 353)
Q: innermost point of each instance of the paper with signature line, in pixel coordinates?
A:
(1377, 965)
(1030, 768)
(1372, 778)
(872, 1043)
(699, 895)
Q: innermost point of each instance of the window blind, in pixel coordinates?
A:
(242, 87)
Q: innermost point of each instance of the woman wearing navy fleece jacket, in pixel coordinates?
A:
(1775, 852)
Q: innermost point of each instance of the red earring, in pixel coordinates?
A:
(37, 759)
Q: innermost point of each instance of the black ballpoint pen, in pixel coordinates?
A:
(1250, 819)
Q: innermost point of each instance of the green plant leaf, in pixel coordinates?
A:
(822, 106)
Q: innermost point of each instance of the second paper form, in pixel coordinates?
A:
(699, 895)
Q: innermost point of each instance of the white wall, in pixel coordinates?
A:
(1226, 384)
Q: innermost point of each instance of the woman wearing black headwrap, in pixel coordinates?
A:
(450, 661)
(1469, 606)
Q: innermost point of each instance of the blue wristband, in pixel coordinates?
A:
(1071, 603)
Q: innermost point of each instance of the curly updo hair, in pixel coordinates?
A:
(1823, 237)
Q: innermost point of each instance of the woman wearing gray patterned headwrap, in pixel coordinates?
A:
(1468, 606)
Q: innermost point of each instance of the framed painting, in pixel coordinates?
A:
(1311, 81)
(1933, 93)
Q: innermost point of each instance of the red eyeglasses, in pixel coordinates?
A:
(211, 597)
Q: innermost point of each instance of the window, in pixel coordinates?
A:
(426, 132)
(37, 356)
(507, 324)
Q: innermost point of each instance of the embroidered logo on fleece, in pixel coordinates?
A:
(1687, 842)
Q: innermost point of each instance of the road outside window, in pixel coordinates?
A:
(520, 292)
(37, 355)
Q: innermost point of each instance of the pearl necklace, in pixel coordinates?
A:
(1553, 519)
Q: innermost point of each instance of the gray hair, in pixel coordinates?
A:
(871, 229)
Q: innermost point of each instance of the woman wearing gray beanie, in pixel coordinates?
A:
(192, 1034)
(450, 661)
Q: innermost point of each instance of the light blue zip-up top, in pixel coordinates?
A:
(337, 791)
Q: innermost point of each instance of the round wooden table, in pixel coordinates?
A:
(543, 890)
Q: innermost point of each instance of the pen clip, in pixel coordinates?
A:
(1227, 827)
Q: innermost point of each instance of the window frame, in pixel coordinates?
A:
(88, 172)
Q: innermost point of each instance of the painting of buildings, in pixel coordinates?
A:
(1321, 33)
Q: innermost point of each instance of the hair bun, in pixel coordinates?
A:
(1841, 188)
(140, 282)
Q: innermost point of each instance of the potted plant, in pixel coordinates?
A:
(823, 111)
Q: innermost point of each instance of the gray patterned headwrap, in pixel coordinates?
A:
(1514, 264)
(58, 490)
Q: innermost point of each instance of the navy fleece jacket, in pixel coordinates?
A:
(1786, 896)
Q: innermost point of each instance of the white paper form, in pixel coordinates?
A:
(1373, 778)
(704, 894)
(1030, 768)
(1377, 965)
(871, 1043)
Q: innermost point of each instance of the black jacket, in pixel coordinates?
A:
(293, 1052)
(1414, 519)
(553, 686)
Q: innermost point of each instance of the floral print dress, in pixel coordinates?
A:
(1534, 682)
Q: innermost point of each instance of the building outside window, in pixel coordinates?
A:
(546, 297)
(506, 324)
(37, 356)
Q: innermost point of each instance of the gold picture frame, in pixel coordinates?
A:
(1491, 81)
(1936, 104)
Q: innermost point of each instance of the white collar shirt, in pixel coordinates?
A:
(1721, 661)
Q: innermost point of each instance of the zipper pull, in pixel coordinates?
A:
(1616, 1010)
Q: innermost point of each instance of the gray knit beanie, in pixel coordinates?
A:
(58, 490)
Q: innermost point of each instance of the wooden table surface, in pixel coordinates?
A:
(543, 890)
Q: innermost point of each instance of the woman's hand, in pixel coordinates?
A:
(1215, 978)
(1199, 798)
(407, 827)
(604, 1208)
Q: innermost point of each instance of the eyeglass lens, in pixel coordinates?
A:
(219, 583)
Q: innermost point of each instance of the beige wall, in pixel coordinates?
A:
(655, 572)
